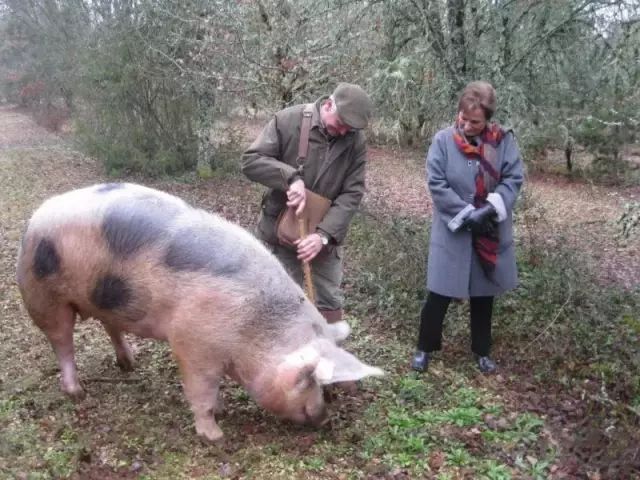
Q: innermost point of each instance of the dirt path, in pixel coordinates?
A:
(19, 131)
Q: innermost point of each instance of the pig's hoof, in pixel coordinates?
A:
(125, 364)
(74, 392)
(209, 433)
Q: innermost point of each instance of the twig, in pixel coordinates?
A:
(112, 380)
(551, 322)
(613, 403)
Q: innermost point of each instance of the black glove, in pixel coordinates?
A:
(481, 219)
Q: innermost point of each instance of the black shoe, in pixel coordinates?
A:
(420, 361)
(486, 365)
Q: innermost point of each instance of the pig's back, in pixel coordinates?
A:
(124, 250)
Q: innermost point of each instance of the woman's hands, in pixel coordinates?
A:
(480, 220)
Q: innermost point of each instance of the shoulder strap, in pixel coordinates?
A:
(305, 128)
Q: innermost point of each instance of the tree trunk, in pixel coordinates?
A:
(456, 17)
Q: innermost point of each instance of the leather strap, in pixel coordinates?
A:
(305, 128)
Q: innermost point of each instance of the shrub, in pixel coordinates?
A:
(560, 314)
(386, 267)
(229, 141)
(629, 221)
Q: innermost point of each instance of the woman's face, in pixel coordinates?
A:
(472, 122)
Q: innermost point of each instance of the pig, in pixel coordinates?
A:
(144, 262)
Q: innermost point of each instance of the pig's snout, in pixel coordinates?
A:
(317, 419)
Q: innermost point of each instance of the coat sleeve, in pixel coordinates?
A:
(345, 205)
(504, 196)
(450, 206)
(262, 163)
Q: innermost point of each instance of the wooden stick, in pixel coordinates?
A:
(306, 268)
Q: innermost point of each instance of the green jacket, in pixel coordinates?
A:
(334, 168)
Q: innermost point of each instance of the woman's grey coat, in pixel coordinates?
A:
(453, 268)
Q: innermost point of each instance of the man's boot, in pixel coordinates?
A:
(332, 316)
(335, 316)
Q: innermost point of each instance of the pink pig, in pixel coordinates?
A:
(145, 262)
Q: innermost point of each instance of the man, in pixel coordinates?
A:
(334, 167)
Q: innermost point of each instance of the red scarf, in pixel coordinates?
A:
(485, 245)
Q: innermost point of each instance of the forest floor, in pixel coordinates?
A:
(138, 425)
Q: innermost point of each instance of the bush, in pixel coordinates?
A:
(136, 113)
(559, 314)
(133, 150)
(386, 268)
(629, 221)
(228, 142)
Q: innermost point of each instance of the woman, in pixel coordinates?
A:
(474, 176)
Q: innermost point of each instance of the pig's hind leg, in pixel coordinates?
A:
(124, 355)
(201, 382)
(57, 324)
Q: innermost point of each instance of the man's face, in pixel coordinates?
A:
(331, 121)
(472, 122)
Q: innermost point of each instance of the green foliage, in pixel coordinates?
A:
(229, 141)
(553, 64)
(141, 118)
(406, 93)
(525, 429)
(385, 273)
(425, 418)
(492, 470)
(168, 71)
(604, 134)
(558, 299)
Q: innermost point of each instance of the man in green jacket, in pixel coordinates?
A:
(334, 167)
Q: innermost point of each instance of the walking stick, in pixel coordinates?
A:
(306, 267)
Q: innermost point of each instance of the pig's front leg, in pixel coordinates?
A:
(201, 381)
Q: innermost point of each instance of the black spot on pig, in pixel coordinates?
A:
(130, 225)
(111, 292)
(46, 259)
(203, 249)
(108, 187)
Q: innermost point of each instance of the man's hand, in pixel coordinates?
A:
(297, 196)
(309, 247)
(479, 221)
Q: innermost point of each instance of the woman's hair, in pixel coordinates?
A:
(478, 94)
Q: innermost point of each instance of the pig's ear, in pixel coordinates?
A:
(338, 365)
(299, 367)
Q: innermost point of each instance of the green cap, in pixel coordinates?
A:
(353, 105)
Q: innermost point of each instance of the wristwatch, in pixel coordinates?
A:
(324, 238)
